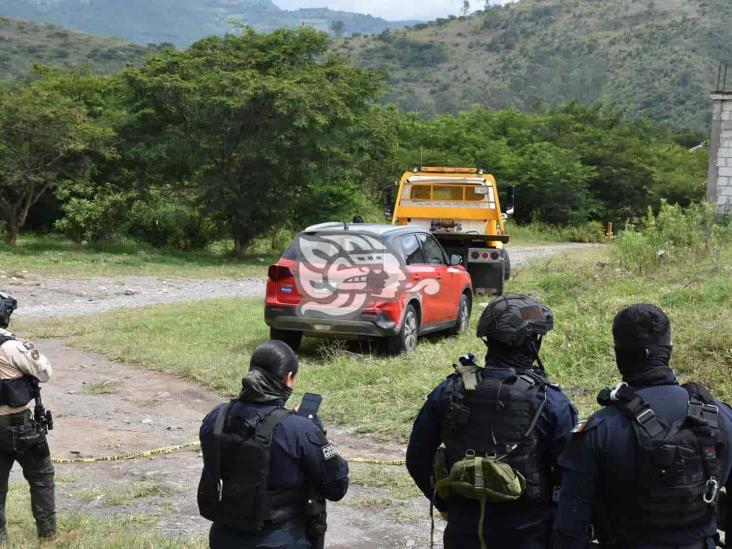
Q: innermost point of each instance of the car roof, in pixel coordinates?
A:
(381, 229)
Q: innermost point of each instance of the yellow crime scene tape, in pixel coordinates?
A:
(191, 445)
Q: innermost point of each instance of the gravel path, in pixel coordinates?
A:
(103, 407)
(41, 297)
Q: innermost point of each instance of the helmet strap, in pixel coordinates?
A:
(535, 349)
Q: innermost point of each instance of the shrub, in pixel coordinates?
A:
(676, 234)
(171, 222)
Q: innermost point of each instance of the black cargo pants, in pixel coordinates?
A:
(21, 444)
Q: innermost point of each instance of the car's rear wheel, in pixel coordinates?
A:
(293, 339)
(462, 322)
(406, 339)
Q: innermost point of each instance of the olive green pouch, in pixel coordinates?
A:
(480, 478)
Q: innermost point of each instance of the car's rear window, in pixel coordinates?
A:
(331, 243)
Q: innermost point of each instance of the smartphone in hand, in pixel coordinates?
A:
(309, 405)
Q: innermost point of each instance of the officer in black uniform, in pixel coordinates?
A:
(267, 471)
(23, 433)
(506, 412)
(645, 471)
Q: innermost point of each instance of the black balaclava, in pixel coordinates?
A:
(271, 362)
(642, 335)
(519, 358)
(7, 306)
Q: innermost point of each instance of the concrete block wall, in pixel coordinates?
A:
(719, 188)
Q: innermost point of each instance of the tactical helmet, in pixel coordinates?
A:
(513, 318)
(7, 306)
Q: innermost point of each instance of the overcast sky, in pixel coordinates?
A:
(390, 9)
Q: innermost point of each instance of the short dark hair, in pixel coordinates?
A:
(641, 325)
(276, 358)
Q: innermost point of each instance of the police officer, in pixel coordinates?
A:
(22, 367)
(645, 470)
(508, 415)
(267, 471)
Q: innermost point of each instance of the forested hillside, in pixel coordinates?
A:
(650, 58)
(23, 43)
(183, 21)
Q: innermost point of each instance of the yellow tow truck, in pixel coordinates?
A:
(461, 208)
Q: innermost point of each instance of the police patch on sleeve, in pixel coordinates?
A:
(329, 452)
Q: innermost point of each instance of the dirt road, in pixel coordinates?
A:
(107, 408)
(42, 297)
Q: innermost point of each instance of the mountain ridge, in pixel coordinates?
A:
(655, 60)
(181, 22)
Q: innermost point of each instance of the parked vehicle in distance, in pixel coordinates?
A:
(461, 208)
(375, 281)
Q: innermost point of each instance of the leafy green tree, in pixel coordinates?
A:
(338, 27)
(247, 121)
(47, 138)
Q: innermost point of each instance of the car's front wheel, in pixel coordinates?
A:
(406, 339)
(293, 339)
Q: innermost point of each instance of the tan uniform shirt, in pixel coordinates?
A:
(18, 360)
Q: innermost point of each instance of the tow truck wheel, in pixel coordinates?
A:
(293, 339)
(506, 264)
(406, 339)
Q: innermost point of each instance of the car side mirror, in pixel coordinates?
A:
(455, 260)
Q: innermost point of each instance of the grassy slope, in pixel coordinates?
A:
(650, 58)
(23, 43)
(382, 394)
(60, 257)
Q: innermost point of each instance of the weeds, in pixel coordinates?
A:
(673, 236)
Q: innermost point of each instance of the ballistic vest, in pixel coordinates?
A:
(234, 488)
(678, 467)
(498, 418)
(16, 392)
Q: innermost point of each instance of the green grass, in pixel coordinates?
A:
(85, 531)
(56, 256)
(382, 395)
(108, 387)
(542, 233)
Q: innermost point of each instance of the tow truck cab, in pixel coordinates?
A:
(462, 209)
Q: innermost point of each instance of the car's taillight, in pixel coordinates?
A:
(475, 255)
(278, 272)
(495, 255)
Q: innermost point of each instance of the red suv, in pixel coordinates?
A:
(388, 282)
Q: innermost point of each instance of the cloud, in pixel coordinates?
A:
(388, 9)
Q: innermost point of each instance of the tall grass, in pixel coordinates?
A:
(674, 236)
(538, 233)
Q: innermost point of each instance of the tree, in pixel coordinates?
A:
(249, 122)
(46, 139)
(338, 27)
(466, 7)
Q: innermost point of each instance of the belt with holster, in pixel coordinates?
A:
(16, 420)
